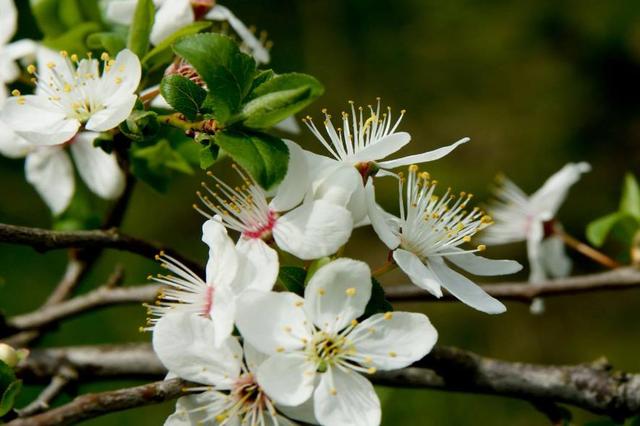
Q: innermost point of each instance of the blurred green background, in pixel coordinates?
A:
(535, 84)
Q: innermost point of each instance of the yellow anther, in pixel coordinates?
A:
(15, 92)
(287, 328)
(64, 53)
(118, 80)
(413, 168)
(482, 247)
(368, 360)
(425, 175)
(466, 238)
(372, 370)
(388, 315)
(21, 101)
(354, 322)
(321, 291)
(51, 65)
(333, 391)
(74, 57)
(279, 349)
(393, 354)
(351, 291)
(104, 56)
(31, 69)
(67, 88)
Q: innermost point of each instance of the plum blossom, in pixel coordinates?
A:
(310, 230)
(11, 52)
(230, 271)
(428, 234)
(229, 393)
(520, 217)
(316, 346)
(72, 93)
(358, 150)
(172, 15)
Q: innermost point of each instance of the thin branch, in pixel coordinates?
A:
(594, 387)
(44, 240)
(93, 405)
(58, 382)
(618, 279)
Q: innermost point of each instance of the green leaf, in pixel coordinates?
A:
(162, 53)
(208, 155)
(140, 29)
(314, 266)
(155, 164)
(630, 202)
(74, 40)
(599, 229)
(140, 125)
(110, 41)
(279, 98)
(227, 71)
(46, 14)
(293, 279)
(183, 95)
(264, 156)
(261, 78)
(9, 396)
(7, 376)
(378, 302)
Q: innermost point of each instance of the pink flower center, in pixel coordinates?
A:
(264, 230)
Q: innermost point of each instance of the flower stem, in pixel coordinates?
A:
(388, 266)
(587, 250)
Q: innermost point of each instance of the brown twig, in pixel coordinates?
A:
(59, 381)
(618, 279)
(594, 386)
(93, 405)
(44, 240)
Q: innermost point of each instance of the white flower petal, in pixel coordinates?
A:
(345, 398)
(332, 180)
(464, 289)
(122, 78)
(195, 409)
(50, 171)
(338, 293)
(303, 412)
(223, 261)
(260, 265)
(253, 358)
(554, 257)
(185, 345)
(99, 170)
(295, 184)
(425, 157)
(12, 145)
(170, 17)
(287, 378)
(547, 200)
(534, 241)
(479, 265)
(417, 272)
(51, 126)
(121, 11)
(223, 312)
(383, 148)
(112, 115)
(399, 339)
(385, 224)
(313, 230)
(221, 13)
(8, 20)
(272, 322)
(21, 49)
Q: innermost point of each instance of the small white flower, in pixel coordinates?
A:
(72, 93)
(172, 15)
(317, 348)
(358, 150)
(230, 271)
(519, 217)
(11, 52)
(230, 394)
(428, 232)
(309, 230)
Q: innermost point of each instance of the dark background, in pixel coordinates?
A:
(535, 84)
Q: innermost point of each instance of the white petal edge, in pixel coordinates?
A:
(259, 265)
(295, 184)
(425, 157)
(287, 378)
(223, 262)
(383, 148)
(50, 171)
(382, 222)
(417, 271)
(99, 170)
(482, 266)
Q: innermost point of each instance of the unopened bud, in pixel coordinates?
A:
(8, 355)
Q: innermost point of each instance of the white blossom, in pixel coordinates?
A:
(317, 347)
(229, 393)
(358, 150)
(172, 15)
(310, 230)
(428, 234)
(230, 271)
(519, 217)
(71, 93)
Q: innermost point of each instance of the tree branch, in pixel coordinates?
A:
(618, 279)
(594, 387)
(93, 405)
(44, 240)
(58, 382)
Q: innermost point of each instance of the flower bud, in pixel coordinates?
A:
(8, 355)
